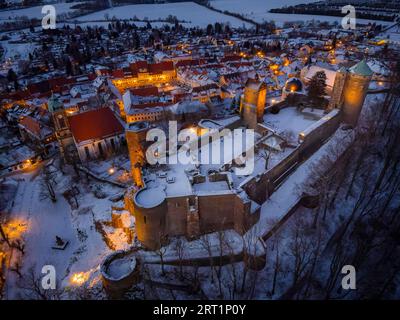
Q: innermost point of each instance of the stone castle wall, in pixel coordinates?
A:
(260, 188)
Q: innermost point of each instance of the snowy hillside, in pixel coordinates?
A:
(35, 12)
(193, 13)
(257, 10)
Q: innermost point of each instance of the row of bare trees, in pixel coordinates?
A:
(356, 223)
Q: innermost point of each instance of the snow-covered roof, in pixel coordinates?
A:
(188, 107)
(362, 69)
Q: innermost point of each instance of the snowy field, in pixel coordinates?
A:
(252, 6)
(393, 35)
(258, 10)
(192, 13)
(34, 12)
(15, 50)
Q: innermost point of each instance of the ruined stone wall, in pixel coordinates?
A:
(216, 212)
(260, 188)
(337, 92)
(178, 208)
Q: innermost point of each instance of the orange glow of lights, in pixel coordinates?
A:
(79, 278)
(274, 67)
(15, 228)
(111, 170)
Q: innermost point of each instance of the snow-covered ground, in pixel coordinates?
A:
(285, 198)
(45, 220)
(15, 50)
(190, 12)
(34, 12)
(252, 6)
(393, 35)
(258, 11)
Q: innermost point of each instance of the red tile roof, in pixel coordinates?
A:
(233, 57)
(141, 65)
(150, 105)
(31, 125)
(161, 67)
(145, 91)
(180, 96)
(118, 73)
(94, 124)
(155, 68)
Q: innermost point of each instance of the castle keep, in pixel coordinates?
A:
(350, 90)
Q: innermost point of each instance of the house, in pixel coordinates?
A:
(32, 130)
(17, 158)
(96, 133)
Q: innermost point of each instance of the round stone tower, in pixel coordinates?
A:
(150, 208)
(355, 91)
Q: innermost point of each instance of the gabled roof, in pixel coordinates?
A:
(145, 91)
(161, 67)
(362, 69)
(232, 57)
(31, 125)
(155, 68)
(94, 124)
(117, 73)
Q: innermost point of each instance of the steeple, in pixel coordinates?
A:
(54, 104)
(362, 69)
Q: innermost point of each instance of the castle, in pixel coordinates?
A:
(181, 200)
(202, 200)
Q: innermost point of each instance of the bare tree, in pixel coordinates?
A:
(206, 244)
(31, 286)
(161, 253)
(180, 249)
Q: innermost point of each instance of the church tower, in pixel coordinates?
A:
(253, 103)
(60, 121)
(355, 91)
